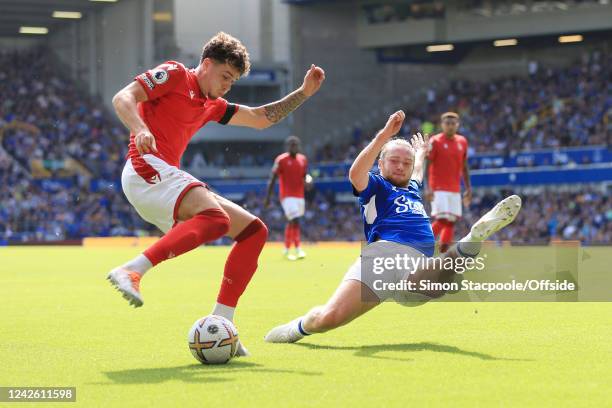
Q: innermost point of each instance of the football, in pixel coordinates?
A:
(213, 340)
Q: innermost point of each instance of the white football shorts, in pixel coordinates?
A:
(157, 200)
(375, 280)
(446, 204)
(293, 207)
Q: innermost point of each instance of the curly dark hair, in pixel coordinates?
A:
(224, 48)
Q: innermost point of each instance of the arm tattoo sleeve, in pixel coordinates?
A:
(277, 111)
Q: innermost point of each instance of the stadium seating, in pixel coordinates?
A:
(53, 139)
(553, 107)
(61, 155)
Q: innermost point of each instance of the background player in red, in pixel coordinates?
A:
(291, 168)
(163, 108)
(447, 165)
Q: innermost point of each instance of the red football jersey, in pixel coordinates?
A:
(175, 110)
(291, 172)
(446, 159)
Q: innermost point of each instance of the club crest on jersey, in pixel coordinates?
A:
(160, 76)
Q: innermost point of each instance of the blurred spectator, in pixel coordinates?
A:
(562, 107)
(548, 214)
(71, 124)
(552, 107)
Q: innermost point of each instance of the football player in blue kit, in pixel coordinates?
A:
(396, 227)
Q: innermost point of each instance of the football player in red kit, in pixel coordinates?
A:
(291, 168)
(163, 108)
(447, 165)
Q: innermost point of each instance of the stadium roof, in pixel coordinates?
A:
(39, 13)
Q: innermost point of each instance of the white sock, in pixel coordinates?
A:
(300, 327)
(297, 249)
(225, 311)
(469, 246)
(140, 264)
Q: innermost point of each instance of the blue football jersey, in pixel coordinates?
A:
(395, 214)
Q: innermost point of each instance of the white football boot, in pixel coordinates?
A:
(242, 351)
(287, 333)
(497, 218)
(128, 283)
(300, 254)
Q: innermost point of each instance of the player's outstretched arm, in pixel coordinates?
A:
(270, 189)
(467, 194)
(420, 146)
(267, 115)
(358, 174)
(125, 103)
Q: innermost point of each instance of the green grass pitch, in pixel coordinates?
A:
(61, 324)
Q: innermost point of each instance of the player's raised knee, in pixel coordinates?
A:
(254, 228)
(217, 221)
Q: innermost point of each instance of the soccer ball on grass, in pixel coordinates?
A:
(213, 340)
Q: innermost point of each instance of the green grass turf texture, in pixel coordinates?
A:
(63, 325)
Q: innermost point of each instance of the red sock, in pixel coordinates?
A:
(288, 235)
(204, 227)
(242, 262)
(446, 235)
(296, 235)
(436, 226)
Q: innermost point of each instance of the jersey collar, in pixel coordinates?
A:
(195, 87)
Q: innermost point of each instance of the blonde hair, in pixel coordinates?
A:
(392, 143)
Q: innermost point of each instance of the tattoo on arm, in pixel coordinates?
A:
(277, 111)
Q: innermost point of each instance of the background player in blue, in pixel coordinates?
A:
(394, 217)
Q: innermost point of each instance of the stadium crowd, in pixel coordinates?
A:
(61, 123)
(52, 211)
(73, 126)
(551, 107)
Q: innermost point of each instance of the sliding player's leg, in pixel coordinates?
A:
(351, 300)
(497, 218)
(502, 214)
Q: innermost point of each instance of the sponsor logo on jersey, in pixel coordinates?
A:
(160, 76)
(147, 81)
